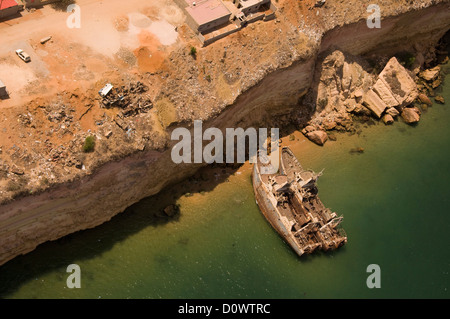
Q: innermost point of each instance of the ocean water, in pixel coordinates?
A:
(394, 198)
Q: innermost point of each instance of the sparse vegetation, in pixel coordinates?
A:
(62, 5)
(406, 59)
(17, 185)
(193, 52)
(322, 103)
(45, 181)
(13, 186)
(89, 144)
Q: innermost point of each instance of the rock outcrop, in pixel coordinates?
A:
(400, 84)
(374, 102)
(394, 88)
(318, 137)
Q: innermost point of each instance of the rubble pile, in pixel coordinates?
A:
(129, 98)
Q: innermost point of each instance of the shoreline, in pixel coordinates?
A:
(220, 229)
(77, 219)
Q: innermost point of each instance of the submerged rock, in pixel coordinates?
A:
(388, 119)
(410, 115)
(309, 129)
(171, 210)
(318, 137)
(436, 83)
(332, 137)
(439, 99)
(357, 150)
(424, 99)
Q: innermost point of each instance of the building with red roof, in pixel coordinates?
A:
(5, 4)
(8, 8)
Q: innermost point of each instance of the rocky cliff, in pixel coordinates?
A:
(272, 92)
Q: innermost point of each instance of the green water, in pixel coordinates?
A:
(394, 197)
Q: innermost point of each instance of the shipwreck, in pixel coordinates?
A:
(289, 201)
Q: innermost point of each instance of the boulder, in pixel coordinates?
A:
(436, 83)
(373, 102)
(358, 94)
(362, 110)
(350, 105)
(392, 112)
(417, 110)
(171, 210)
(309, 129)
(399, 82)
(384, 92)
(424, 99)
(388, 119)
(439, 99)
(329, 125)
(318, 137)
(410, 115)
(430, 74)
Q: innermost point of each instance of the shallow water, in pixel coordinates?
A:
(394, 198)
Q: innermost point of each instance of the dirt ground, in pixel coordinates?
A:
(116, 43)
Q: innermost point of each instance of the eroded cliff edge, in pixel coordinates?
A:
(267, 93)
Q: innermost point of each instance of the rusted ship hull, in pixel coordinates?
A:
(270, 213)
(289, 202)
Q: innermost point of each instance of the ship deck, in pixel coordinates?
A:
(313, 226)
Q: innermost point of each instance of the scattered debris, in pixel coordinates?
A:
(319, 3)
(130, 99)
(45, 40)
(105, 90)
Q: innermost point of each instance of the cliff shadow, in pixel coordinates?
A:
(154, 211)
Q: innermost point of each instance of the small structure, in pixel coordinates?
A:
(9, 8)
(37, 3)
(212, 20)
(250, 6)
(205, 15)
(3, 92)
(249, 11)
